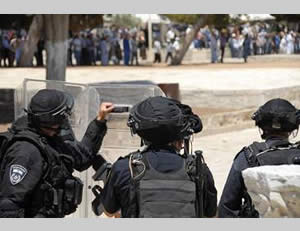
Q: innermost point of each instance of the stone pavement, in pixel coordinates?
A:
(189, 78)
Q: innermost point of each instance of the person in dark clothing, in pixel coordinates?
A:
(84, 51)
(156, 182)
(277, 118)
(39, 53)
(6, 54)
(223, 41)
(38, 159)
(246, 47)
(126, 47)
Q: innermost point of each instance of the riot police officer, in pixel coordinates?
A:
(277, 119)
(158, 181)
(40, 154)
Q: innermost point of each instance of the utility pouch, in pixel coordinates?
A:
(51, 201)
(72, 194)
(97, 205)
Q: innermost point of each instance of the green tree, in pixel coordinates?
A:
(287, 17)
(125, 20)
(197, 21)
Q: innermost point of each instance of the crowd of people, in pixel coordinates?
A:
(112, 45)
(247, 40)
(11, 45)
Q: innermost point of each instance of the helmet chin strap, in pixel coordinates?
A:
(186, 145)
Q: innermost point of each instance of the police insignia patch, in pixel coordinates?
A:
(17, 173)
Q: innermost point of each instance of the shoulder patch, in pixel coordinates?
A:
(17, 173)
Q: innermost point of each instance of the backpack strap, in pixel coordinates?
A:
(137, 165)
(255, 149)
(252, 150)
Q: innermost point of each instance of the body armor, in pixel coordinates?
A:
(59, 192)
(156, 194)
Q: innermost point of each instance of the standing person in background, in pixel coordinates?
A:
(255, 44)
(223, 41)
(126, 47)
(1, 49)
(297, 44)
(176, 44)
(84, 51)
(115, 51)
(77, 45)
(170, 50)
(268, 45)
(246, 47)
(6, 51)
(39, 53)
(17, 45)
(104, 51)
(90, 49)
(283, 43)
(70, 50)
(142, 46)
(157, 48)
(276, 41)
(97, 47)
(134, 50)
(290, 43)
(214, 48)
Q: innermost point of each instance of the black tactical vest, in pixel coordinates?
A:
(156, 194)
(281, 152)
(58, 192)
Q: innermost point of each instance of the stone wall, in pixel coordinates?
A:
(275, 190)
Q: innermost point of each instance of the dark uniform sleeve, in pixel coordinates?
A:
(116, 190)
(210, 195)
(85, 152)
(231, 199)
(25, 161)
(109, 196)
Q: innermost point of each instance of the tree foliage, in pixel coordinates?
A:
(77, 21)
(125, 20)
(80, 22)
(15, 21)
(287, 17)
(217, 20)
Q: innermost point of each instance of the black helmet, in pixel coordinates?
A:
(161, 120)
(277, 115)
(49, 107)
